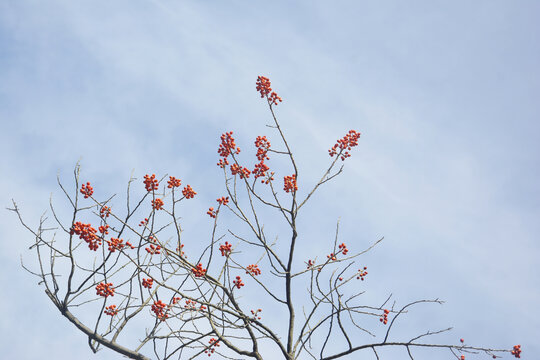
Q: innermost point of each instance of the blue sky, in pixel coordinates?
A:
(444, 93)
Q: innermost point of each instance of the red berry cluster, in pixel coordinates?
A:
(104, 229)
(343, 248)
(143, 222)
(117, 244)
(157, 204)
(310, 263)
(332, 257)
(263, 87)
(176, 299)
(462, 357)
(87, 233)
(180, 251)
(362, 273)
(159, 309)
(255, 314)
(244, 172)
(346, 143)
(263, 145)
(188, 192)
(222, 163)
(261, 169)
(227, 147)
(211, 348)
(87, 190)
(223, 200)
(150, 182)
(104, 290)
(111, 310)
(517, 351)
(173, 182)
(211, 212)
(384, 317)
(253, 270)
(104, 212)
(274, 98)
(198, 271)
(290, 183)
(225, 249)
(238, 282)
(190, 304)
(153, 249)
(147, 283)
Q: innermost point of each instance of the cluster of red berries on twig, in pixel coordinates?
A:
(384, 317)
(255, 314)
(117, 244)
(104, 212)
(263, 145)
(211, 348)
(223, 162)
(198, 271)
(87, 190)
(153, 249)
(274, 98)
(225, 249)
(150, 182)
(173, 182)
(261, 169)
(211, 212)
(180, 251)
(157, 204)
(143, 222)
(517, 351)
(310, 264)
(159, 309)
(223, 200)
(289, 183)
(345, 144)
(253, 270)
(105, 290)
(188, 192)
(343, 248)
(111, 310)
(192, 305)
(87, 233)
(238, 282)
(362, 273)
(263, 87)
(147, 283)
(104, 229)
(176, 299)
(227, 146)
(244, 172)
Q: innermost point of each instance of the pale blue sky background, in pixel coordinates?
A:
(445, 94)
